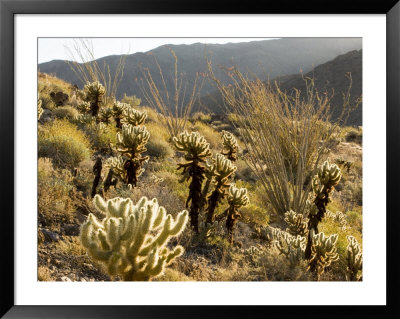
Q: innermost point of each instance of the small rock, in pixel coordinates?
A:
(50, 236)
(65, 278)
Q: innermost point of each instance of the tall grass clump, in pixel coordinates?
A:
(173, 103)
(61, 141)
(285, 135)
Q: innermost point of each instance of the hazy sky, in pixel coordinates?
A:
(55, 48)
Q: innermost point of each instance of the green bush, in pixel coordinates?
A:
(63, 143)
(65, 112)
(159, 148)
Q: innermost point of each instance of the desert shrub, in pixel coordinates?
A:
(244, 172)
(159, 148)
(65, 112)
(101, 136)
(63, 143)
(354, 219)
(55, 203)
(353, 134)
(132, 100)
(201, 117)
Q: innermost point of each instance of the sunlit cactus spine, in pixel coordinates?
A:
(196, 150)
(292, 247)
(237, 198)
(353, 260)
(323, 252)
(231, 146)
(223, 170)
(131, 143)
(39, 109)
(131, 242)
(118, 109)
(133, 117)
(94, 94)
(297, 224)
(328, 176)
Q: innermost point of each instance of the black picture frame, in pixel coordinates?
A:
(8, 8)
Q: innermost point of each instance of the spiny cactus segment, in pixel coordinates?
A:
(230, 146)
(323, 252)
(297, 223)
(223, 169)
(94, 94)
(353, 260)
(133, 117)
(132, 240)
(237, 198)
(118, 109)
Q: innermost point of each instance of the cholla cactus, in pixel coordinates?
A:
(83, 107)
(39, 109)
(133, 117)
(323, 252)
(292, 247)
(131, 143)
(339, 218)
(105, 115)
(223, 169)
(94, 94)
(86, 119)
(209, 174)
(297, 224)
(230, 146)
(196, 150)
(117, 165)
(323, 183)
(353, 260)
(118, 109)
(236, 198)
(131, 241)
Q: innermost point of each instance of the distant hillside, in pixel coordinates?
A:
(329, 76)
(266, 59)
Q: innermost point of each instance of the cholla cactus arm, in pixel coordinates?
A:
(223, 170)
(353, 260)
(132, 240)
(133, 117)
(94, 94)
(297, 223)
(209, 175)
(83, 107)
(105, 115)
(39, 108)
(230, 146)
(196, 150)
(236, 198)
(323, 184)
(323, 252)
(118, 109)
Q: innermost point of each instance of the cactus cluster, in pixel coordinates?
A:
(118, 110)
(94, 92)
(196, 150)
(323, 252)
(328, 176)
(133, 117)
(237, 198)
(337, 217)
(131, 241)
(230, 146)
(105, 115)
(223, 169)
(353, 260)
(83, 107)
(297, 223)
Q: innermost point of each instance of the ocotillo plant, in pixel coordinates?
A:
(223, 170)
(131, 143)
(131, 241)
(133, 117)
(353, 260)
(94, 94)
(297, 224)
(323, 183)
(230, 146)
(118, 109)
(196, 150)
(236, 198)
(39, 109)
(323, 251)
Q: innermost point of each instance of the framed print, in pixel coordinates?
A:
(184, 161)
